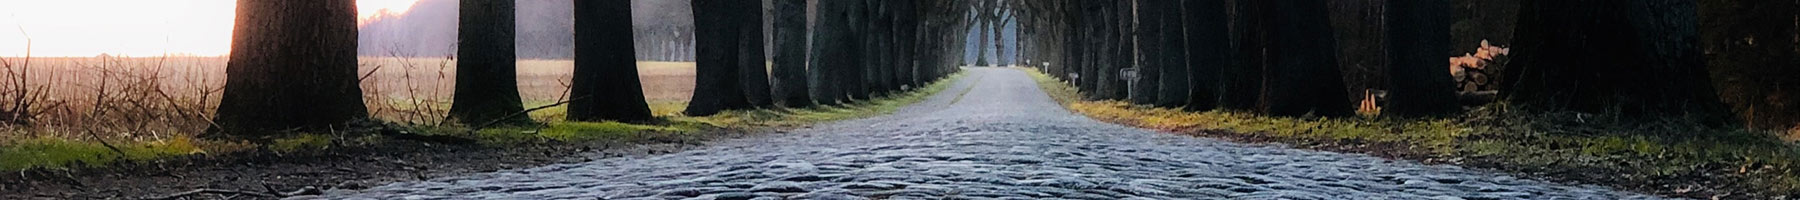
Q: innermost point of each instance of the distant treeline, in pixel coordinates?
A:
(664, 29)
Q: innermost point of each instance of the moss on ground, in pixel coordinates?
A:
(1667, 158)
(49, 152)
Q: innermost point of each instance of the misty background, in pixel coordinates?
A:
(663, 28)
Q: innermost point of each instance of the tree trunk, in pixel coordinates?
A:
(293, 65)
(1303, 62)
(1150, 45)
(753, 62)
(907, 43)
(1098, 15)
(1174, 86)
(1124, 53)
(832, 48)
(790, 54)
(999, 27)
(981, 55)
(1209, 51)
(487, 88)
(717, 78)
(605, 86)
(1745, 40)
(1418, 41)
(1241, 84)
(1636, 58)
(881, 48)
(858, 77)
(1082, 52)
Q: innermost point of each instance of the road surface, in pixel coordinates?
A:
(991, 135)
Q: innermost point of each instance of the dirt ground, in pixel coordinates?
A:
(265, 175)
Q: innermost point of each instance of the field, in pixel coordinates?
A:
(93, 112)
(153, 99)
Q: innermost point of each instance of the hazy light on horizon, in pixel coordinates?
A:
(83, 28)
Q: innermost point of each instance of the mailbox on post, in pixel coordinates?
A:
(1130, 75)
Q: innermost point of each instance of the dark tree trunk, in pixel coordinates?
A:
(981, 43)
(923, 43)
(790, 54)
(1082, 51)
(1241, 84)
(906, 41)
(717, 78)
(1150, 46)
(1098, 36)
(1639, 58)
(881, 48)
(293, 65)
(854, 76)
(833, 50)
(858, 77)
(999, 26)
(1173, 86)
(1303, 62)
(1745, 40)
(1418, 41)
(1124, 53)
(487, 88)
(897, 42)
(753, 62)
(1209, 51)
(861, 76)
(605, 86)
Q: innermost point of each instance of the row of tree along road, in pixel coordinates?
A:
(1638, 59)
(293, 63)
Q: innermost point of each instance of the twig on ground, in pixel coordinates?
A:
(516, 114)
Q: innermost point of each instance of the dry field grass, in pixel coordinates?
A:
(148, 99)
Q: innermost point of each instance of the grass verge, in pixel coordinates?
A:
(1668, 159)
(55, 153)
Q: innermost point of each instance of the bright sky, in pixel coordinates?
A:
(82, 28)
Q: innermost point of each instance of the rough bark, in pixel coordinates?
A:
(858, 76)
(1418, 41)
(1636, 58)
(487, 88)
(293, 65)
(790, 85)
(753, 62)
(1746, 41)
(1241, 82)
(605, 86)
(1209, 51)
(832, 50)
(999, 28)
(1123, 52)
(906, 41)
(717, 78)
(1173, 84)
(981, 55)
(881, 48)
(1303, 62)
(1105, 50)
(1149, 42)
(1082, 52)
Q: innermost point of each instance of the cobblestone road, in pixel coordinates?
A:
(992, 135)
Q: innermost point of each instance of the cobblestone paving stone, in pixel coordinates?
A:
(999, 139)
